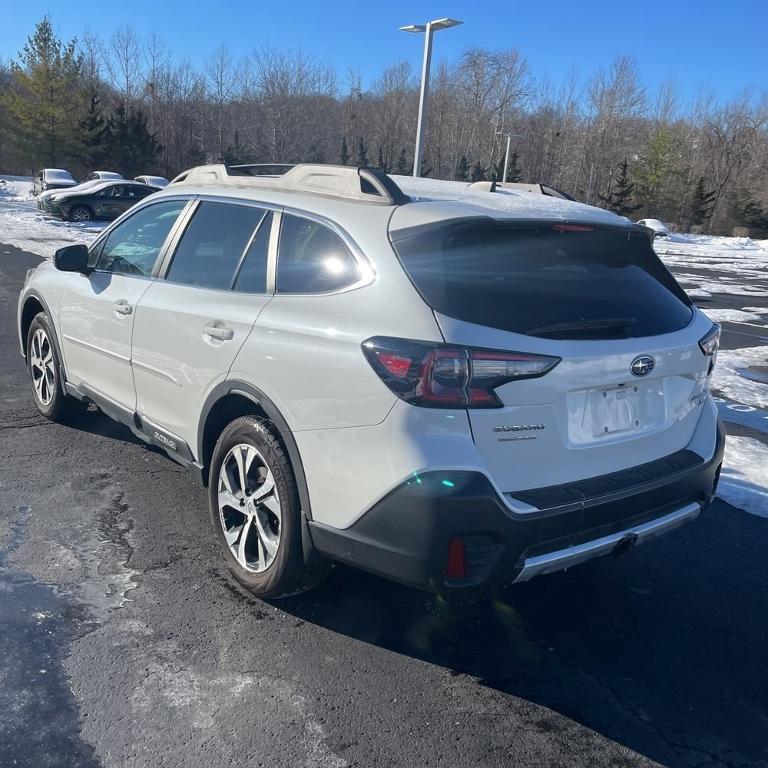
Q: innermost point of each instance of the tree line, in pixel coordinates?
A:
(126, 104)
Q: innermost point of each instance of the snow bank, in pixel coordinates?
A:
(23, 226)
(17, 189)
(734, 387)
(744, 479)
(756, 315)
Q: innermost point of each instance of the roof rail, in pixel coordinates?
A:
(259, 169)
(484, 186)
(363, 184)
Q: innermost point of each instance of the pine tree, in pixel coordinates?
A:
(382, 164)
(478, 173)
(619, 199)
(653, 172)
(345, 155)
(747, 212)
(234, 153)
(94, 133)
(402, 168)
(462, 169)
(362, 153)
(514, 171)
(46, 98)
(131, 146)
(701, 203)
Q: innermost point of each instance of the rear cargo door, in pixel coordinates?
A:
(628, 387)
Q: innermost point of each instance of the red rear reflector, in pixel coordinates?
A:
(457, 564)
(572, 228)
(396, 365)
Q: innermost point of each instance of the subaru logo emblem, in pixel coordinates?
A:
(642, 366)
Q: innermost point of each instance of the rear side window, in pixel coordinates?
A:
(312, 258)
(213, 244)
(561, 281)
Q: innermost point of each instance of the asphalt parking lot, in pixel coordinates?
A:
(123, 641)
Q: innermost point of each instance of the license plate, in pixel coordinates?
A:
(613, 411)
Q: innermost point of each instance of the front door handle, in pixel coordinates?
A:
(218, 331)
(122, 307)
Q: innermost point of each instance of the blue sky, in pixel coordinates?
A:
(718, 43)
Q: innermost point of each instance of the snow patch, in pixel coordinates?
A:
(744, 479)
(507, 200)
(731, 315)
(734, 386)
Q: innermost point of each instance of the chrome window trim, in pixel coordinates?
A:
(365, 266)
(241, 260)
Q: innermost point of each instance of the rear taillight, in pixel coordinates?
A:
(710, 343)
(447, 376)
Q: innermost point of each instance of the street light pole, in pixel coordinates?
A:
(506, 159)
(424, 92)
(429, 28)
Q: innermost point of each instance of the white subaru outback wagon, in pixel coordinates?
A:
(447, 387)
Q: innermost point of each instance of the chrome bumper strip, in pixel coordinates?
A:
(565, 558)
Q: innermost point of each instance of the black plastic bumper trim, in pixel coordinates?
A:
(405, 535)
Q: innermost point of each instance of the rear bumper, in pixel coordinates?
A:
(406, 535)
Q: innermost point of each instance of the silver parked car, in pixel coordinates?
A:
(448, 392)
(52, 178)
(153, 181)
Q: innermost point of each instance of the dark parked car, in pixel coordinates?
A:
(102, 201)
(52, 178)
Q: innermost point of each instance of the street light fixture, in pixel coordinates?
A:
(431, 26)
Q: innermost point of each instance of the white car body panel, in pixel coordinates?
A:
(570, 404)
(176, 364)
(95, 337)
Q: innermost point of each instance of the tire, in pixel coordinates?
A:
(259, 530)
(44, 367)
(81, 213)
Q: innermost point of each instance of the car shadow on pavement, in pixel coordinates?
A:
(664, 650)
(91, 420)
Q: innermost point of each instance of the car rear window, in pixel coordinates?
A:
(59, 175)
(563, 281)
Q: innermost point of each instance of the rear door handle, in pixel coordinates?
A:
(218, 331)
(122, 307)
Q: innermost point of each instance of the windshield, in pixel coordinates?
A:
(54, 175)
(543, 279)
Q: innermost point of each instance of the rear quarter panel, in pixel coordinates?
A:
(304, 351)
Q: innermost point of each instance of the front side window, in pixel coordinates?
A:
(212, 245)
(312, 258)
(132, 247)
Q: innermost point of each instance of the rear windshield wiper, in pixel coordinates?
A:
(610, 326)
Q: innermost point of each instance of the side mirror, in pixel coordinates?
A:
(72, 258)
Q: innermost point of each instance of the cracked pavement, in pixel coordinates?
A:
(124, 642)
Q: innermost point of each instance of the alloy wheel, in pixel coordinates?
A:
(249, 508)
(42, 367)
